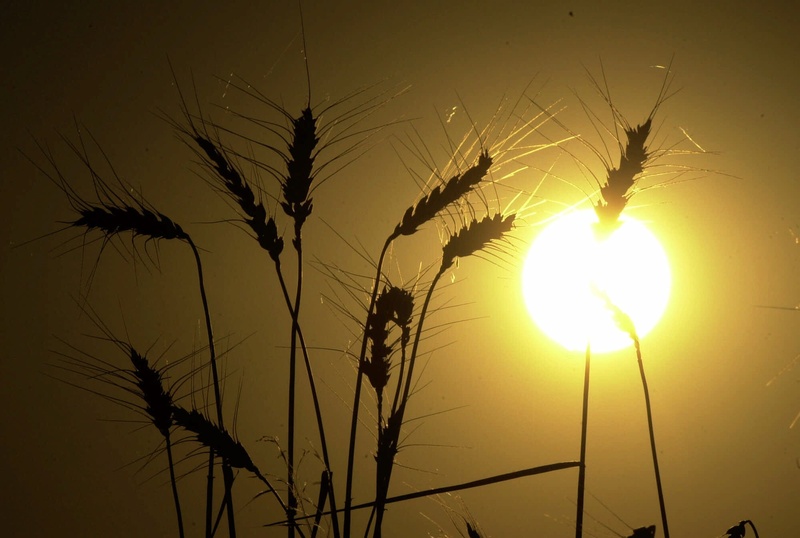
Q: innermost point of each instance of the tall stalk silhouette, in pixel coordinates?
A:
(625, 324)
(584, 426)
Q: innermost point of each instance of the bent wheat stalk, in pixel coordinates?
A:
(414, 217)
(114, 214)
(476, 236)
(296, 187)
(481, 482)
(143, 381)
(625, 324)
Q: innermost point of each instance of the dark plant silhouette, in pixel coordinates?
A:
(303, 150)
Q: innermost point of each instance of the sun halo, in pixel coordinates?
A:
(570, 275)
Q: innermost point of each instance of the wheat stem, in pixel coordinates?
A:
(389, 437)
(413, 357)
(470, 239)
(582, 467)
(210, 495)
(324, 486)
(514, 475)
(413, 218)
(625, 323)
(295, 313)
(348, 499)
(227, 474)
(652, 439)
(315, 398)
(174, 484)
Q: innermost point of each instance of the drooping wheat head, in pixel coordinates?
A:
(158, 401)
(114, 212)
(393, 305)
(214, 437)
(112, 220)
(239, 190)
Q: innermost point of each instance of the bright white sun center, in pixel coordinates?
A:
(570, 275)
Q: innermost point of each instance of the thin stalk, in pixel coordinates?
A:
(210, 494)
(652, 439)
(400, 374)
(542, 469)
(348, 493)
(522, 473)
(295, 312)
(582, 467)
(324, 486)
(227, 473)
(378, 484)
(381, 494)
(174, 484)
(278, 498)
(413, 357)
(315, 398)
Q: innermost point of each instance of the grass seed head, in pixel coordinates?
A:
(439, 198)
(475, 236)
(214, 437)
(297, 183)
(388, 440)
(377, 367)
(396, 305)
(113, 220)
(157, 399)
(237, 187)
(472, 532)
(615, 193)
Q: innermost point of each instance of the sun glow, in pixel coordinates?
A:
(570, 275)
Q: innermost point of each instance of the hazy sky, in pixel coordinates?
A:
(500, 395)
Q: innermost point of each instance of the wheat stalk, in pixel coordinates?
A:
(214, 437)
(142, 380)
(296, 187)
(114, 214)
(298, 205)
(264, 228)
(297, 183)
(477, 235)
(625, 324)
(615, 193)
(414, 217)
(159, 406)
(439, 198)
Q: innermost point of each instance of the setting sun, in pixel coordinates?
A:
(570, 275)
